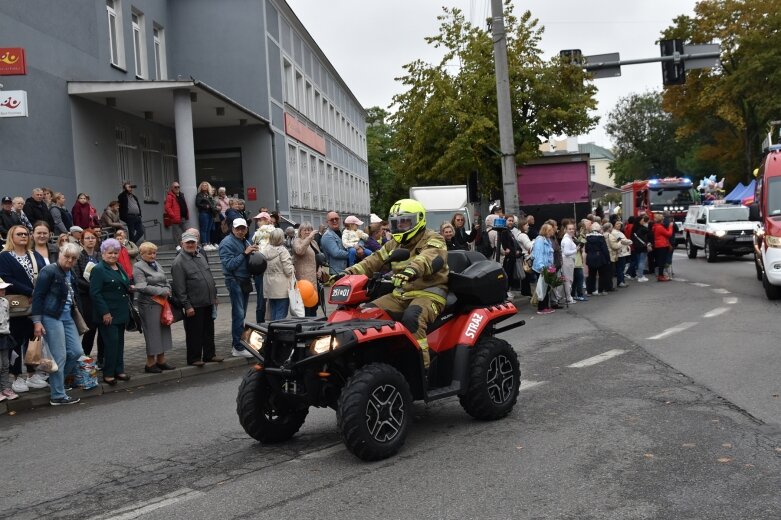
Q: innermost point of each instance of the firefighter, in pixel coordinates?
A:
(420, 283)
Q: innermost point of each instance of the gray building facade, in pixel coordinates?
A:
(236, 93)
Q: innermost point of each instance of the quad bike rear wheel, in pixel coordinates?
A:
(257, 414)
(375, 411)
(494, 380)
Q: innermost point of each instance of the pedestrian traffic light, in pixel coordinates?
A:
(673, 71)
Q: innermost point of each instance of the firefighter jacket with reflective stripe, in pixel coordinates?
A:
(424, 249)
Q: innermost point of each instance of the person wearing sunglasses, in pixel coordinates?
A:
(331, 244)
(175, 212)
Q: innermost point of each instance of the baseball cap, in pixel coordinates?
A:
(7, 200)
(76, 229)
(189, 237)
(4, 285)
(238, 222)
(263, 214)
(352, 219)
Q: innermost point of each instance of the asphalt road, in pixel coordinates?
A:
(679, 420)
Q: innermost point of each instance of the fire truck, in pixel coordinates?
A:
(673, 194)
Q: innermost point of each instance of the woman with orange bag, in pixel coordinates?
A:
(151, 283)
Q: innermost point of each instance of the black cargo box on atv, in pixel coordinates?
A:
(475, 280)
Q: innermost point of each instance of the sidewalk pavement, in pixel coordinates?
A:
(135, 360)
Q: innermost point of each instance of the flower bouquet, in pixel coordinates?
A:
(552, 277)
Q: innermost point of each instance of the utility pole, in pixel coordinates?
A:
(509, 175)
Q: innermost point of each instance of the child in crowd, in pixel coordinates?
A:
(265, 227)
(6, 345)
(352, 237)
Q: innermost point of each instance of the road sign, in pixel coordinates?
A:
(603, 65)
(712, 49)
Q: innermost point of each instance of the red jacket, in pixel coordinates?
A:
(662, 235)
(172, 213)
(124, 261)
(81, 215)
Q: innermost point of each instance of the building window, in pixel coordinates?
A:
(139, 44)
(292, 167)
(161, 71)
(300, 103)
(124, 149)
(168, 162)
(289, 83)
(307, 108)
(592, 170)
(115, 39)
(147, 164)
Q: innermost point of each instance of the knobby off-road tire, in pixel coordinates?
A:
(691, 249)
(258, 417)
(375, 411)
(494, 380)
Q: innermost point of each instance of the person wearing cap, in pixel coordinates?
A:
(8, 217)
(260, 238)
(175, 212)
(193, 287)
(76, 232)
(353, 238)
(6, 344)
(234, 257)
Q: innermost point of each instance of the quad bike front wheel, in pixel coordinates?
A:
(375, 411)
(259, 417)
(494, 380)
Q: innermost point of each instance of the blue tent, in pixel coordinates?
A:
(740, 192)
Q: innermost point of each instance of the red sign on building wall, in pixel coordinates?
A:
(302, 133)
(12, 61)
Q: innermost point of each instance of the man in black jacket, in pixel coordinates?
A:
(36, 209)
(8, 217)
(130, 213)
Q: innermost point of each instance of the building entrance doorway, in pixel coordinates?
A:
(221, 168)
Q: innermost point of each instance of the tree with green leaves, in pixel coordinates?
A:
(446, 123)
(644, 138)
(383, 182)
(725, 111)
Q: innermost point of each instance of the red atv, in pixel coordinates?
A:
(368, 367)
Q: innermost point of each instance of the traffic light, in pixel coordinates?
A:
(571, 56)
(673, 71)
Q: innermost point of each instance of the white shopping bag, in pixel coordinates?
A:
(296, 302)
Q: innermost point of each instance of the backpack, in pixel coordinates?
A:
(484, 246)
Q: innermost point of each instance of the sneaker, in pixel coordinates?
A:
(20, 385)
(630, 277)
(9, 394)
(622, 284)
(571, 302)
(64, 400)
(36, 381)
(662, 278)
(603, 293)
(240, 353)
(546, 311)
(581, 298)
(642, 279)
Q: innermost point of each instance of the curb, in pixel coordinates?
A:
(40, 399)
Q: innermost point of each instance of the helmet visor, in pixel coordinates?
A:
(403, 222)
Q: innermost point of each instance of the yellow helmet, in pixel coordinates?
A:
(406, 218)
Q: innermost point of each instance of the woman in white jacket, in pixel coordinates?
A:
(568, 251)
(622, 252)
(279, 271)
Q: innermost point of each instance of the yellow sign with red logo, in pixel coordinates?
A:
(12, 61)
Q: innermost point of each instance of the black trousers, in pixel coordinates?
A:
(199, 335)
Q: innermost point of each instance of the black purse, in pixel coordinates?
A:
(134, 322)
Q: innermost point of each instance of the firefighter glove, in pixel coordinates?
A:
(336, 277)
(405, 276)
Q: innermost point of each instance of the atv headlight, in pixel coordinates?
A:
(324, 344)
(720, 233)
(253, 339)
(773, 241)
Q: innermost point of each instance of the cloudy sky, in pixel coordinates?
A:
(368, 41)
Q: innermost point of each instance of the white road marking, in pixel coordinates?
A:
(526, 384)
(730, 300)
(715, 312)
(325, 452)
(679, 279)
(721, 291)
(673, 330)
(136, 510)
(700, 284)
(599, 358)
